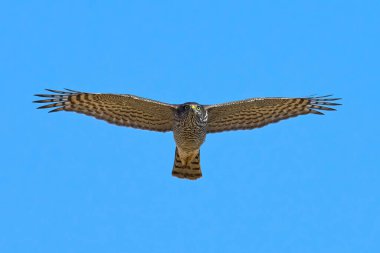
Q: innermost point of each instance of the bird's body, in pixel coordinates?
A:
(189, 130)
(190, 122)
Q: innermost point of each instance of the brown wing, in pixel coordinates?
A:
(123, 110)
(258, 112)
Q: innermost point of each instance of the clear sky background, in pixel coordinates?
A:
(70, 183)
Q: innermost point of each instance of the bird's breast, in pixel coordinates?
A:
(189, 137)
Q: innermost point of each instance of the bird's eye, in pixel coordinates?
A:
(187, 107)
(198, 108)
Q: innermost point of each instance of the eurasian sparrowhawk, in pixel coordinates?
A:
(190, 122)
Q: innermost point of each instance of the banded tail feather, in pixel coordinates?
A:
(191, 171)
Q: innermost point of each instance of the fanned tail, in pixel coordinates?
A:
(190, 171)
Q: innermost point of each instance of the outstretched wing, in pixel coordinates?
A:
(258, 112)
(122, 110)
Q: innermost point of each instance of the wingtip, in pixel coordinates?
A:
(41, 95)
(60, 92)
(56, 110)
(72, 91)
(318, 103)
(317, 112)
(54, 91)
(43, 106)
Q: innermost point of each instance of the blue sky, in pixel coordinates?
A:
(70, 183)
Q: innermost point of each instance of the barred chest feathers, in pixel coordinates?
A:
(190, 126)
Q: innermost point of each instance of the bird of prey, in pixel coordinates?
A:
(190, 122)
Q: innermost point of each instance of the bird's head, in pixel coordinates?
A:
(192, 109)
